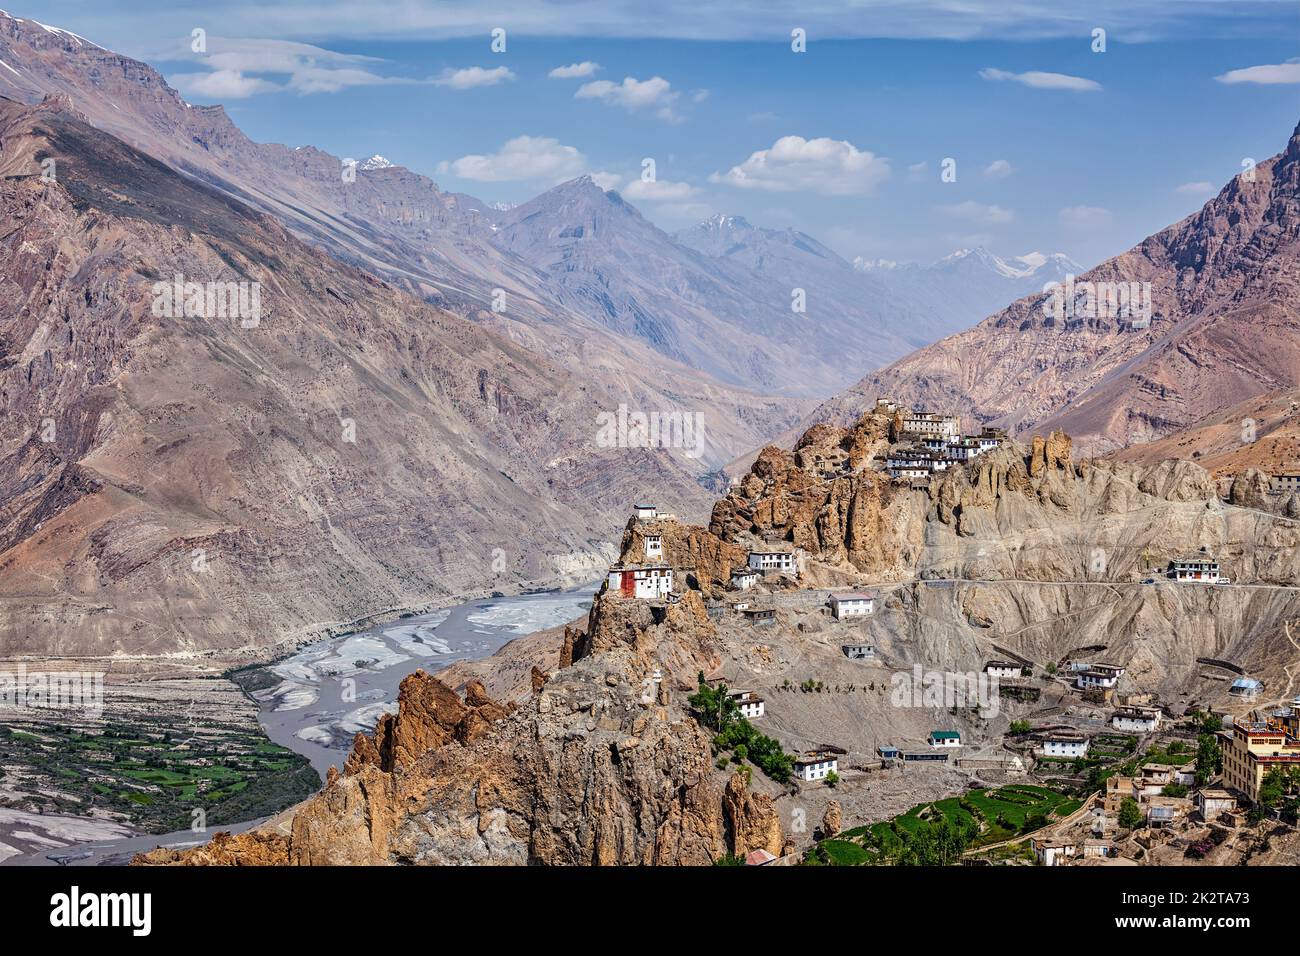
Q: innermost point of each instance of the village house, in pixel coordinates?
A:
(782, 561)
(815, 765)
(1098, 849)
(887, 752)
(1118, 789)
(931, 423)
(758, 616)
(852, 604)
(654, 546)
(759, 857)
(962, 449)
(1003, 670)
(925, 755)
(1100, 677)
(1141, 720)
(944, 738)
(1163, 811)
(990, 438)
(1066, 744)
(1281, 484)
(909, 463)
(742, 579)
(858, 652)
(650, 581)
(1052, 852)
(886, 405)
(1197, 567)
(1212, 802)
(748, 702)
(1253, 748)
(1245, 687)
(645, 512)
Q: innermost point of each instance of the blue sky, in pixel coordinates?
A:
(1057, 147)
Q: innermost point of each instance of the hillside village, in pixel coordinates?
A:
(1068, 749)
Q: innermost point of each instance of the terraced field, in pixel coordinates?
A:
(939, 831)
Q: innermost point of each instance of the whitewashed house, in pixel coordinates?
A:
(858, 652)
(1052, 852)
(1100, 677)
(944, 738)
(1280, 484)
(1063, 744)
(645, 512)
(654, 546)
(649, 581)
(930, 423)
(772, 561)
(1138, 720)
(750, 704)
(1002, 670)
(1201, 568)
(852, 604)
(815, 766)
(742, 579)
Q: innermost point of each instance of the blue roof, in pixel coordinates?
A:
(1246, 682)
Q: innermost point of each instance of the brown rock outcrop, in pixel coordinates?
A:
(832, 819)
(752, 821)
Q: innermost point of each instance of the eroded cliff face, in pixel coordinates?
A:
(1031, 513)
(602, 766)
(601, 763)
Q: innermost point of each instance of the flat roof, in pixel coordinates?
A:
(853, 596)
(806, 759)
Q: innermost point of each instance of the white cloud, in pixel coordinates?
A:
(306, 68)
(473, 76)
(659, 190)
(972, 211)
(633, 94)
(522, 158)
(829, 166)
(222, 84)
(1084, 217)
(1195, 189)
(606, 180)
(1268, 74)
(998, 169)
(574, 70)
(917, 171)
(1043, 81)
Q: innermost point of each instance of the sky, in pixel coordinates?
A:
(900, 131)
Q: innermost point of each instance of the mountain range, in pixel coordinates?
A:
(964, 287)
(1220, 292)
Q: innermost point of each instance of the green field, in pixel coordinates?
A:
(153, 775)
(977, 818)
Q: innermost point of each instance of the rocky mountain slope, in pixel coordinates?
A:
(184, 485)
(1224, 287)
(394, 223)
(1261, 433)
(599, 762)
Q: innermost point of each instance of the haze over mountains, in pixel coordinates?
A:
(588, 280)
(196, 484)
(964, 287)
(1224, 288)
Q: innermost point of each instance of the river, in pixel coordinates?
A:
(331, 689)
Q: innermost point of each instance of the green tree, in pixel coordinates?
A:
(1019, 727)
(832, 779)
(1209, 758)
(1130, 816)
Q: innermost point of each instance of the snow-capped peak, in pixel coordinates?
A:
(375, 162)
